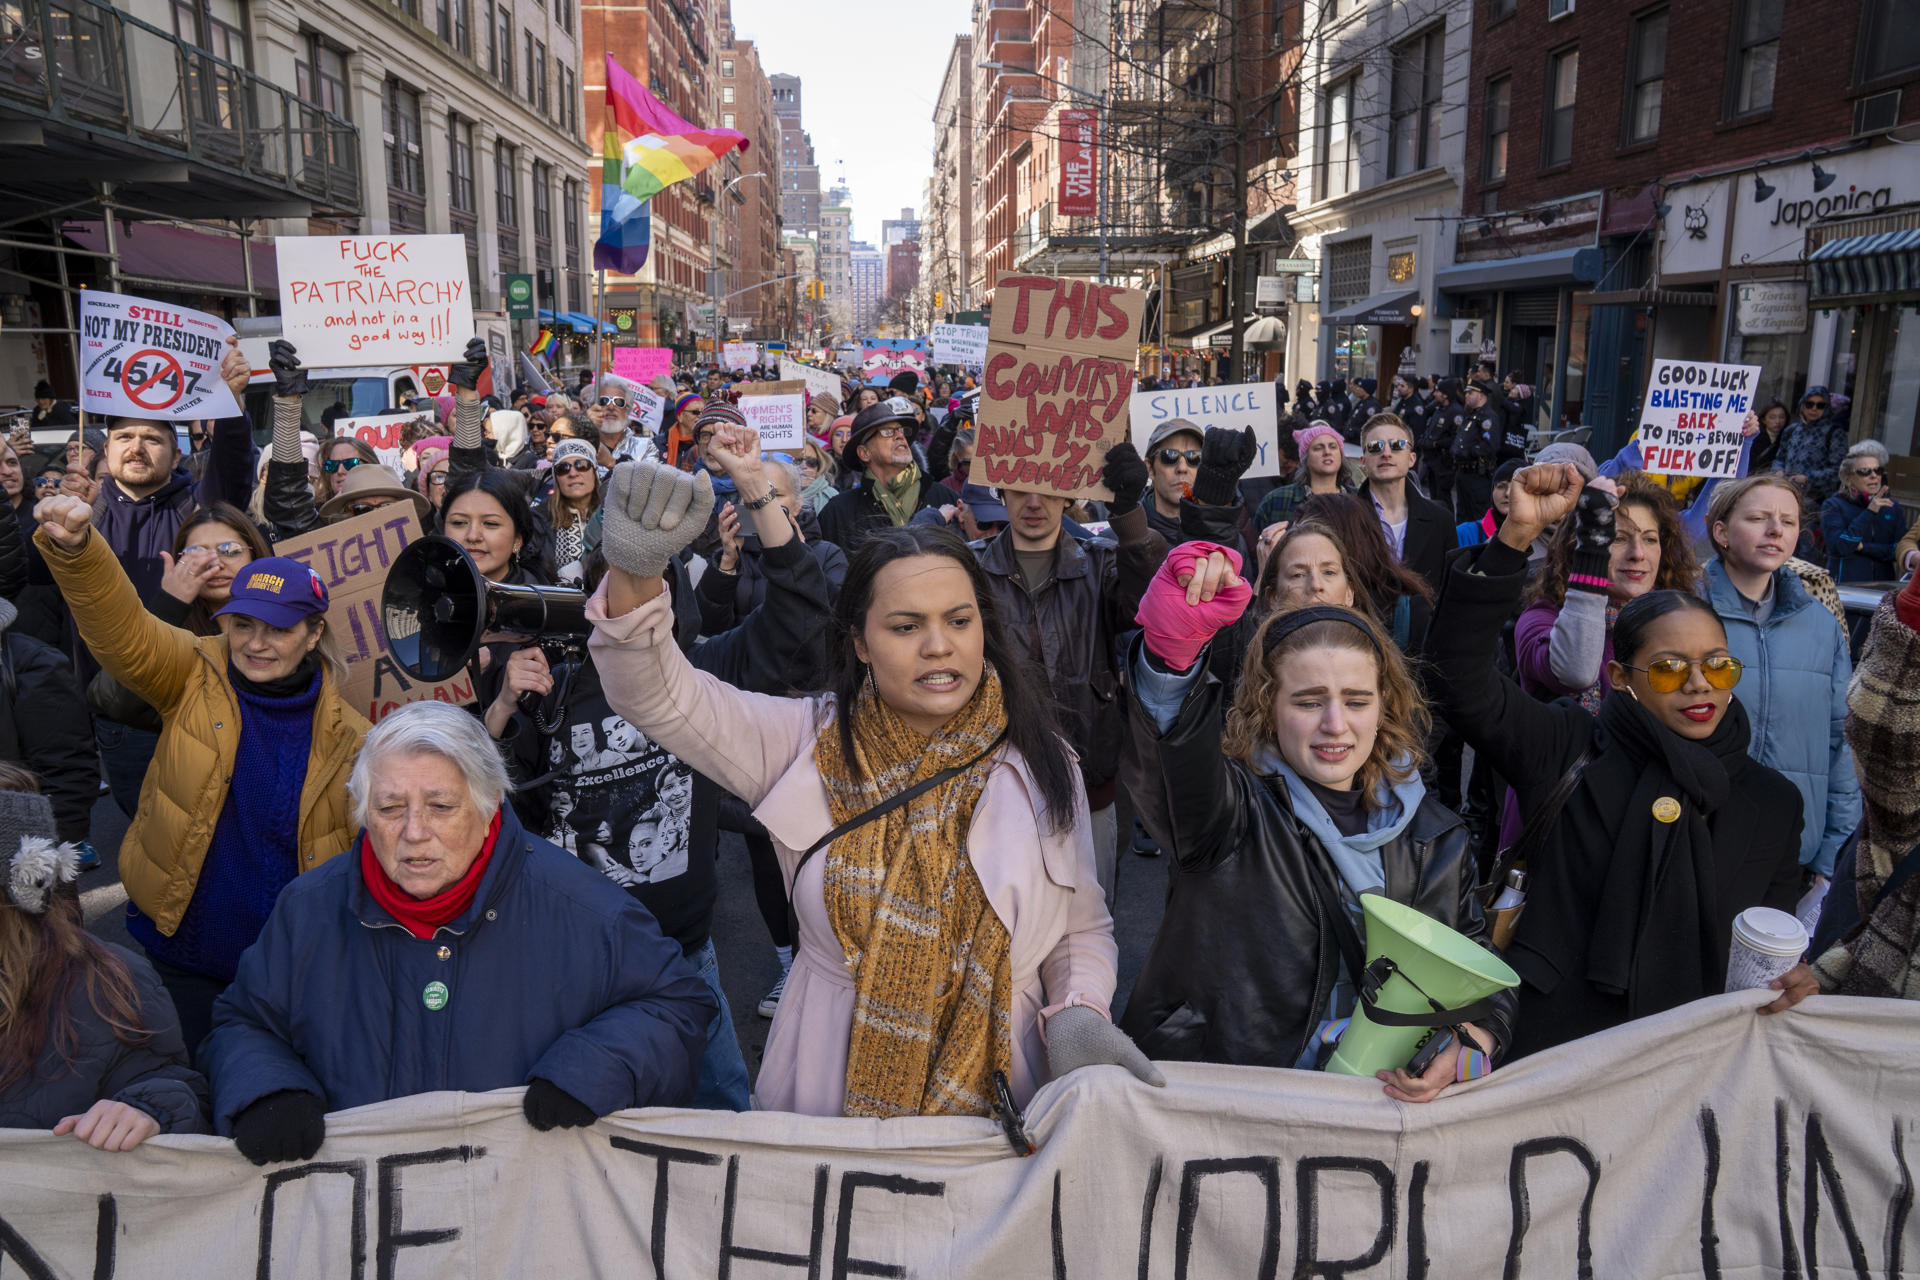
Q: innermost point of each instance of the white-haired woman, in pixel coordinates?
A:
(1861, 521)
(449, 950)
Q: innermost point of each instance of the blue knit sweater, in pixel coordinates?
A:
(252, 855)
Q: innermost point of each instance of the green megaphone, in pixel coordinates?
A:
(1425, 963)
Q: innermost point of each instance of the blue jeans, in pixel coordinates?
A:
(127, 752)
(723, 1072)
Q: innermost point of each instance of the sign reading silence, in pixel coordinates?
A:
(1059, 372)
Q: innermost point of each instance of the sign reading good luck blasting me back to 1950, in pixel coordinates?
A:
(1691, 422)
(375, 300)
(145, 359)
(1058, 375)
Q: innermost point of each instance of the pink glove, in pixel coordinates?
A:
(1177, 631)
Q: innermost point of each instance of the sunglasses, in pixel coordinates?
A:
(361, 508)
(1664, 676)
(1172, 457)
(572, 465)
(1867, 471)
(1397, 444)
(613, 402)
(811, 464)
(225, 550)
(1813, 404)
(332, 465)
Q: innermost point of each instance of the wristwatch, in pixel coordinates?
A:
(761, 501)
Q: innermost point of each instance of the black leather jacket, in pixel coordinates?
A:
(1243, 966)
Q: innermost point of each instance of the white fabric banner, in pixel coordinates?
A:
(1704, 1142)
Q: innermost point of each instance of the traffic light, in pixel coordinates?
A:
(939, 299)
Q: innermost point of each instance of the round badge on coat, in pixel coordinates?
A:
(434, 996)
(1666, 808)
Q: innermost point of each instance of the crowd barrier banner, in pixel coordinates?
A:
(1704, 1142)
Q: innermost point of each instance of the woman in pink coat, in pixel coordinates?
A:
(945, 940)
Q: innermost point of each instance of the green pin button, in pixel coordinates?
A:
(434, 996)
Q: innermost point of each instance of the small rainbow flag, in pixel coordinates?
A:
(657, 147)
(544, 345)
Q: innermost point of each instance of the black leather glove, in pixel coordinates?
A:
(288, 1125)
(548, 1106)
(1225, 455)
(1125, 476)
(289, 379)
(472, 363)
(1592, 540)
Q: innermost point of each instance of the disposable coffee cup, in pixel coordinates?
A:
(1766, 943)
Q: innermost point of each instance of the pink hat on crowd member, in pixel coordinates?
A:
(444, 403)
(427, 456)
(442, 443)
(1306, 435)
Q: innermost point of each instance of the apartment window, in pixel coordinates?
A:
(506, 185)
(1563, 76)
(570, 221)
(563, 14)
(1337, 144)
(1887, 47)
(320, 81)
(1498, 9)
(492, 35)
(463, 27)
(537, 69)
(1415, 110)
(726, 68)
(1754, 56)
(406, 177)
(569, 116)
(1646, 76)
(542, 201)
(726, 119)
(1498, 108)
(503, 39)
(533, 95)
(460, 164)
(726, 94)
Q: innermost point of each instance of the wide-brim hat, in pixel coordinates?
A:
(376, 481)
(869, 420)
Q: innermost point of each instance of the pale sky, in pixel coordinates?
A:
(869, 76)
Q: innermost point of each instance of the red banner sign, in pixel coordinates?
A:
(1079, 163)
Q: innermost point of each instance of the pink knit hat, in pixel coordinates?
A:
(1306, 435)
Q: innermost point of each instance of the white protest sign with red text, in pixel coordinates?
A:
(778, 411)
(375, 300)
(1691, 423)
(144, 359)
(381, 434)
(1058, 376)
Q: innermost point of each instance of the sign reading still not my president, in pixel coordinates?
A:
(1691, 421)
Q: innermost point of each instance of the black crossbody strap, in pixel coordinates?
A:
(880, 810)
(1902, 872)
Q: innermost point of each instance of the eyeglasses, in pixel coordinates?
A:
(570, 466)
(1867, 471)
(893, 431)
(1664, 676)
(613, 402)
(348, 463)
(1398, 444)
(437, 480)
(225, 550)
(1172, 457)
(702, 439)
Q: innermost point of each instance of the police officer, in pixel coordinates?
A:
(1438, 430)
(1476, 452)
(1366, 406)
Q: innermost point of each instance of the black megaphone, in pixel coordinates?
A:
(438, 611)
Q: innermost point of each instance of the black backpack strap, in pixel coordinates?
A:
(1533, 836)
(1903, 871)
(880, 810)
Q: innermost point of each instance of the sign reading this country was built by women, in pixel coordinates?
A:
(375, 300)
(145, 359)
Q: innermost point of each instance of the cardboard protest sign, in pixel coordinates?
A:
(374, 300)
(1690, 424)
(740, 355)
(1250, 404)
(144, 359)
(778, 411)
(352, 557)
(1701, 1142)
(961, 344)
(818, 381)
(381, 434)
(1059, 372)
(642, 364)
(646, 408)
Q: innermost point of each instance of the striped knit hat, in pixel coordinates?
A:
(719, 412)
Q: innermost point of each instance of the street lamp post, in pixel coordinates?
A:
(1106, 143)
(713, 274)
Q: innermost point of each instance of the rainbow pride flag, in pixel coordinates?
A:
(657, 148)
(543, 346)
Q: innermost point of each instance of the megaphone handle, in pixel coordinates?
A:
(551, 722)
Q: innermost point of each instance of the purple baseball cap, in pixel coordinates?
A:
(278, 591)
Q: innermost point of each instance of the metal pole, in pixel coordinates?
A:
(599, 313)
(73, 326)
(1106, 151)
(246, 261)
(112, 239)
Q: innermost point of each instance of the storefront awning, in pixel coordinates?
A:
(181, 259)
(1648, 297)
(1562, 266)
(1885, 263)
(1391, 307)
(1199, 338)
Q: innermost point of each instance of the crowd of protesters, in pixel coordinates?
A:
(1426, 652)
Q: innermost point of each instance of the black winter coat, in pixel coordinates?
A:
(848, 519)
(1756, 830)
(45, 727)
(152, 1075)
(1246, 958)
(726, 599)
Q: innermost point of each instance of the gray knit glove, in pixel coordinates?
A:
(1081, 1037)
(652, 512)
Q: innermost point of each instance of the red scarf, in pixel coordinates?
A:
(421, 916)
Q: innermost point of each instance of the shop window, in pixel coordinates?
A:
(1494, 149)
(1753, 57)
(1414, 127)
(1339, 150)
(1563, 80)
(1887, 46)
(1646, 76)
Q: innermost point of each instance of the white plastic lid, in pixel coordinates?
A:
(1777, 933)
